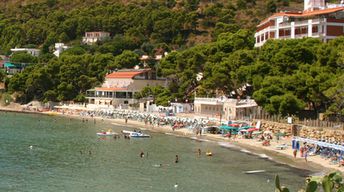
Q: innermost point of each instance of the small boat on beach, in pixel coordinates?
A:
(107, 133)
(135, 134)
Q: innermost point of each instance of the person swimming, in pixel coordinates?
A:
(142, 154)
(177, 159)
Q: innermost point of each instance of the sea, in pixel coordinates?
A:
(54, 153)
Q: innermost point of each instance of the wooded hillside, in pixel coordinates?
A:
(40, 23)
(211, 38)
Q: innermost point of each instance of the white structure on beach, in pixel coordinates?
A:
(226, 108)
(94, 37)
(181, 107)
(119, 87)
(33, 52)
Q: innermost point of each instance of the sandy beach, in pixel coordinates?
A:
(315, 164)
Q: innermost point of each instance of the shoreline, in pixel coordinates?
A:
(314, 165)
(239, 144)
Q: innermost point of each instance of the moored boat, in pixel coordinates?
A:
(135, 134)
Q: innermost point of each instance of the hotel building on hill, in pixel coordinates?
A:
(119, 87)
(318, 20)
(93, 37)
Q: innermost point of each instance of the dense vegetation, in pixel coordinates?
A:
(208, 39)
(332, 182)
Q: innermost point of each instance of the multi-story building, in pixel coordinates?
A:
(226, 108)
(93, 37)
(119, 87)
(318, 20)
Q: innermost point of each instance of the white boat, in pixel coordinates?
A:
(106, 133)
(135, 134)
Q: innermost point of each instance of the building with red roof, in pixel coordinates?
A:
(318, 20)
(120, 86)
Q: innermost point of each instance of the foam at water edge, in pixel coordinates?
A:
(227, 145)
(245, 151)
(264, 156)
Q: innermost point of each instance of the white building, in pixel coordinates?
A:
(59, 48)
(119, 87)
(93, 37)
(225, 108)
(181, 107)
(317, 20)
(33, 52)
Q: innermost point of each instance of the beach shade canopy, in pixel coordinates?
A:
(226, 127)
(320, 143)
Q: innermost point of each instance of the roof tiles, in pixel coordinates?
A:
(304, 13)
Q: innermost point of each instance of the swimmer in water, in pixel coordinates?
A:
(177, 159)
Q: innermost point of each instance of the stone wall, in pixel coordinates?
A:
(328, 134)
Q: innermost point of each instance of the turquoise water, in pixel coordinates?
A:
(68, 156)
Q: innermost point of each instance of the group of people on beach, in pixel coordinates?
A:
(149, 118)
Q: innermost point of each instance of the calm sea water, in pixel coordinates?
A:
(68, 156)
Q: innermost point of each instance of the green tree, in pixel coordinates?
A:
(127, 59)
(271, 6)
(23, 57)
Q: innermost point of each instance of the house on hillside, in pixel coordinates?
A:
(120, 86)
(225, 108)
(318, 20)
(33, 52)
(59, 48)
(94, 37)
(13, 68)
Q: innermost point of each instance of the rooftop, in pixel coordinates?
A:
(127, 73)
(304, 13)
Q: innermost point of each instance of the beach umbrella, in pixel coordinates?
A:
(252, 129)
(279, 134)
(267, 132)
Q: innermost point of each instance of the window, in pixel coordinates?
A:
(130, 95)
(126, 102)
(121, 95)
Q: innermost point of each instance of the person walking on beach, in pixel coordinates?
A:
(305, 151)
